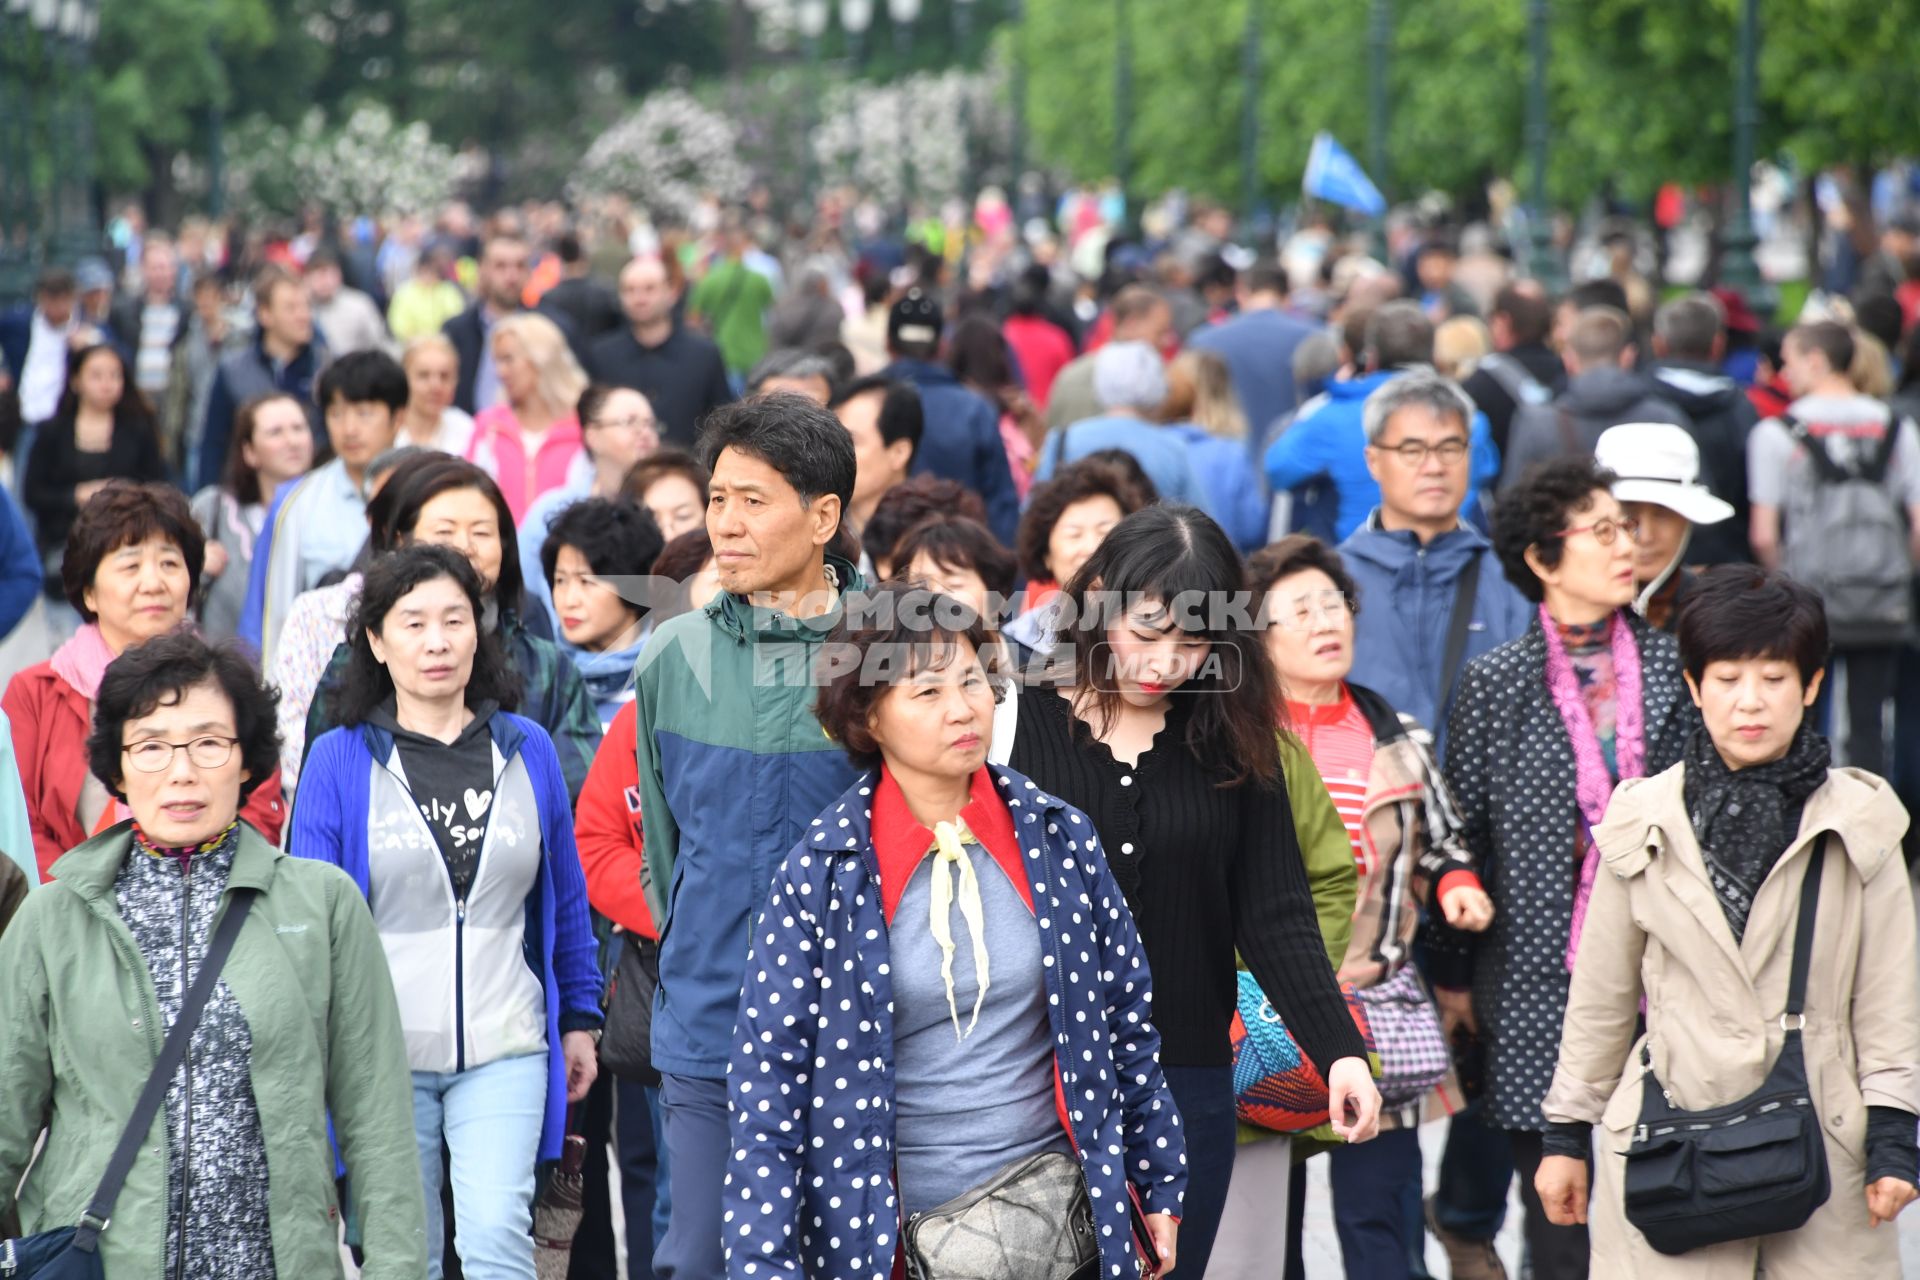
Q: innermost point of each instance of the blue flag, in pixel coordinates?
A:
(1335, 176)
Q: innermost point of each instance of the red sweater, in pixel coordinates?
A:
(50, 720)
(606, 827)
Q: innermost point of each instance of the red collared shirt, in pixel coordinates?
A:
(900, 842)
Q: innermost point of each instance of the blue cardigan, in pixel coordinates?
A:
(330, 825)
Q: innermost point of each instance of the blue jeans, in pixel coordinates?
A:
(1476, 1168)
(643, 1172)
(490, 1118)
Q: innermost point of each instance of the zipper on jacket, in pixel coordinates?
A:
(186, 1084)
(460, 982)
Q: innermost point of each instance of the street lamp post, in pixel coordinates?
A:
(812, 17)
(77, 235)
(1379, 45)
(962, 26)
(1123, 103)
(1546, 264)
(903, 13)
(1738, 266)
(855, 17)
(1250, 113)
(1017, 92)
(16, 183)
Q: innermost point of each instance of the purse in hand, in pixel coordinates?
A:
(1755, 1167)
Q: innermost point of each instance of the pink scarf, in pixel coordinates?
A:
(1593, 784)
(83, 660)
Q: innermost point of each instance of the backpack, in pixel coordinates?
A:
(1850, 544)
(1513, 378)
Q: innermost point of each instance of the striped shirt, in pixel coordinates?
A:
(1340, 741)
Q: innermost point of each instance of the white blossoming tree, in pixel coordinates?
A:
(921, 137)
(667, 154)
(368, 163)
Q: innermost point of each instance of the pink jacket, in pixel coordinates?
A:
(497, 447)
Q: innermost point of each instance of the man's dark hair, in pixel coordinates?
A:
(908, 503)
(955, 542)
(55, 282)
(1536, 511)
(120, 514)
(1267, 275)
(269, 280)
(566, 247)
(902, 415)
(1880, 315)
(362, 377)
(1736, 611)
(797, 438)
(1830, 338)
(884, 637)
(430, 477)
(322, 258)
(977, 354)
(1399, 334)
(1293, 554)
(239, 479)
(1437, 243)
(1529, 316)
(1049, 500)
(1603, 292)
(659, 464)
(161, 672)
(1688, 325)
(614, 536)
(366, 683)
(840, 356)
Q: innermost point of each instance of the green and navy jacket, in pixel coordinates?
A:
(733, 765)
(810, 1188)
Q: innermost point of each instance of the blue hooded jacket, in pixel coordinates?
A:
(961, 441)
(1329, 438)
(1406, 602)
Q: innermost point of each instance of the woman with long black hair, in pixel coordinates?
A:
(1163, 734)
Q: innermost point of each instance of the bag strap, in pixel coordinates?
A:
(1465, 592)
(172, 1053)
(1829, 471)
(1803, 936)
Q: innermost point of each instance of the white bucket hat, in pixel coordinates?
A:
(1658, 462)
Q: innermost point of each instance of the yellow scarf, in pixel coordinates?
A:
(950, 841)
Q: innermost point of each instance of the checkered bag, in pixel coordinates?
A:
(1406, 1029)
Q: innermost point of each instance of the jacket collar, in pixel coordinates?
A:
(506, 734)
(1024, 799)
(742, 620)
(89, 868)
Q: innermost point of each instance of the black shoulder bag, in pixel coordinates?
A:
(1756, 1167)
(1466, 592)
(73, 1253)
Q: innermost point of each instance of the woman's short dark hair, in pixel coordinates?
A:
(1176, 554)
(366, 683)
(419, 481)
(615, 537)
(1736, 611)
(796, 437)
(241, 480)
(1296, 553)
(1050, 499)
(908, 503)
(955, 542)
(977, 353)
(159, 673)
(660, 464)
(1534, 513)
(122, 513)
(883, 638)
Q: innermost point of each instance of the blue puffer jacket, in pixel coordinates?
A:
(1329, 438)
(810, 1184)
(1406, 603)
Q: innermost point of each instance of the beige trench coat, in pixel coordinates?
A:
(1714, 1007)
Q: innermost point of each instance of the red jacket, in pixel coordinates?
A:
(606, 828)
(50, 720)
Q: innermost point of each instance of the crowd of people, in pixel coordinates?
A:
(831, 737)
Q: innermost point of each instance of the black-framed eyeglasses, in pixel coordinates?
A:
(155, 756)
(1413, 453)
(1605, 529)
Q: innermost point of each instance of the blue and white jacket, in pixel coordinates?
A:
(489, 977)
(810, 1180)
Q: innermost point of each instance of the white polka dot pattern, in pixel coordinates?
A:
(810, 1176)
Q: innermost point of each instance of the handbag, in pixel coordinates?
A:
(73, 1253)
(1030, 1221)
(1413, 1053)
(626, 1044)
(1755, 1167)
(1274, 1085)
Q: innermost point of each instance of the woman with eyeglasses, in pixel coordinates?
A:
(1541, 731)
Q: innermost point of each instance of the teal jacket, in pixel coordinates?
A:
(16, 833)
(79, 1035)
(733, 766)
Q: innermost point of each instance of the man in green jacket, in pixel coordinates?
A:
(79, 1033)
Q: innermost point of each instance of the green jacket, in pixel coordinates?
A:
(79, 1035)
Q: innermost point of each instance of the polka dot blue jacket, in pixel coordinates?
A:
(810, 1176)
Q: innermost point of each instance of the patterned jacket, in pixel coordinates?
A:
(1510, 767)
(807, 1152)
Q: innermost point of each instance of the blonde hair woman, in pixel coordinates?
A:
(530, 441)
(431, 420)
(1872, 370)
(1203, 413)
(1200, 391)
(1459, 344)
